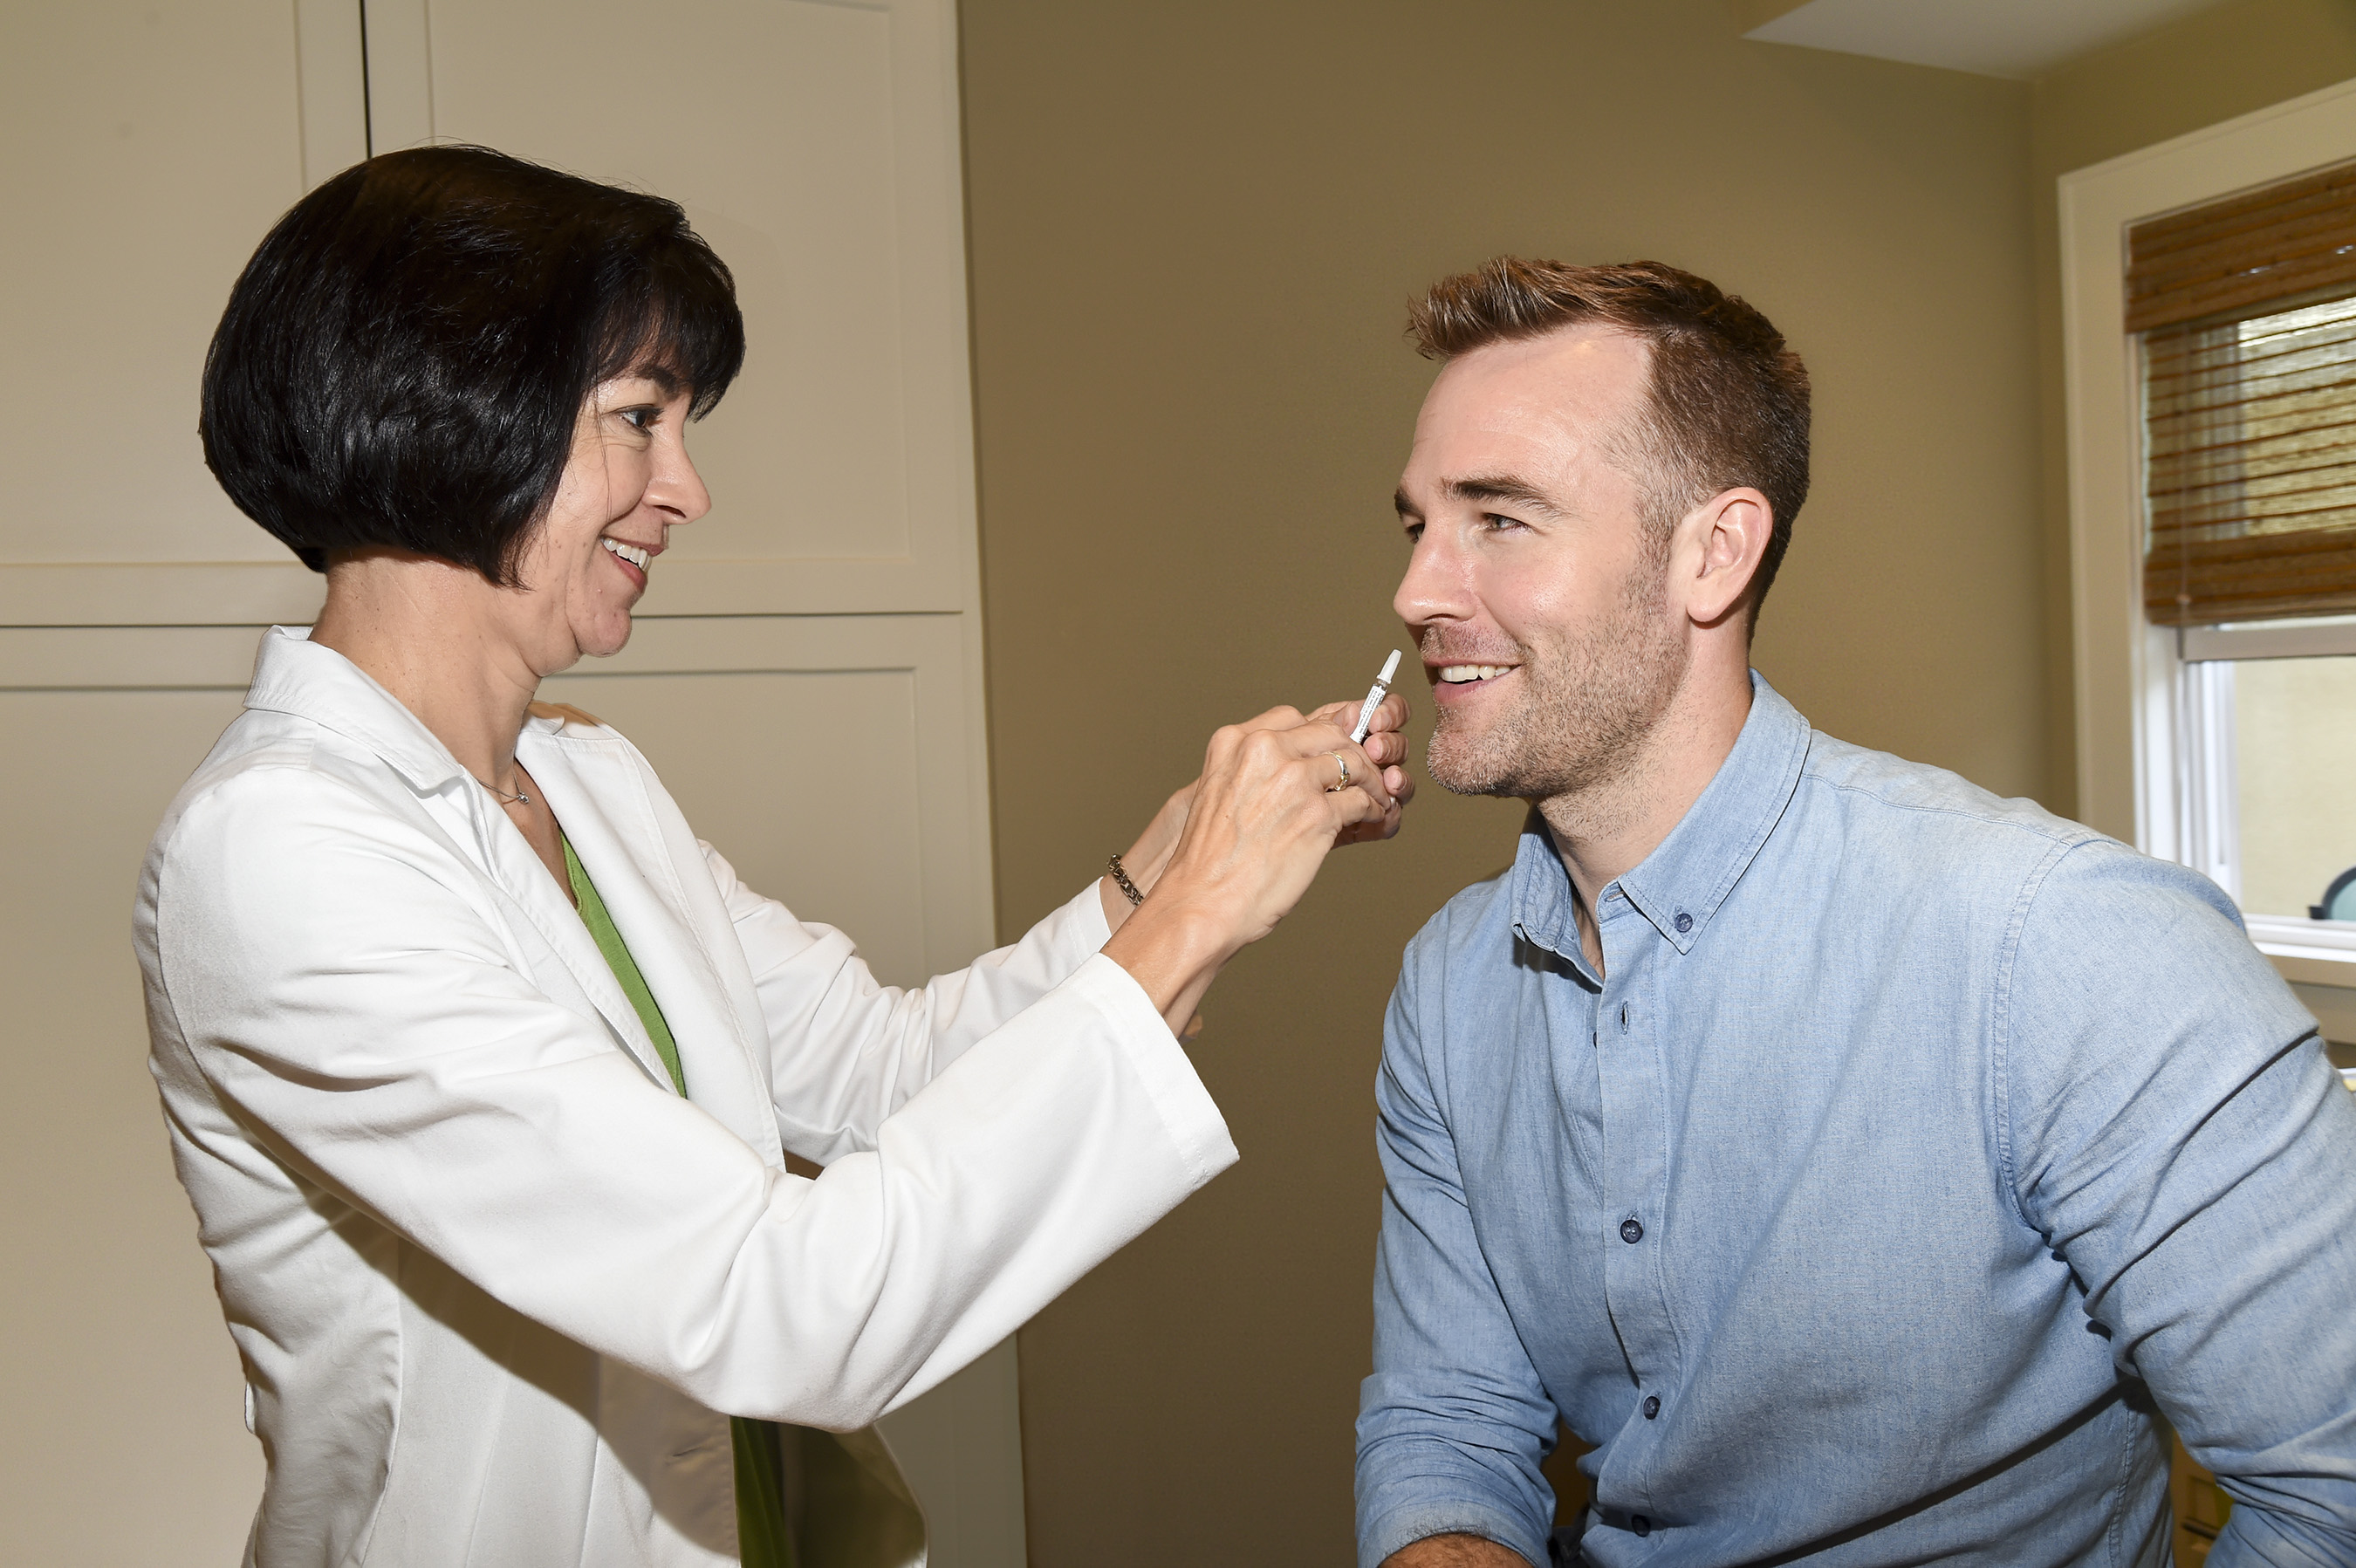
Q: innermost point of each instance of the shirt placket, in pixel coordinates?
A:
(1632, 1073)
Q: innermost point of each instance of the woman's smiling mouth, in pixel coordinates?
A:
(631, 558)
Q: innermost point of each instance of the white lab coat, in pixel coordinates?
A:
(490, 1279)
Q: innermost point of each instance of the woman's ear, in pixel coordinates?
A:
(1727, 538)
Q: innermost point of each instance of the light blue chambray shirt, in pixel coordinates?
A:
(1914, 1146)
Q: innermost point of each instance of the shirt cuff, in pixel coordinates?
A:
(1185, 1107)
(1411, 1522)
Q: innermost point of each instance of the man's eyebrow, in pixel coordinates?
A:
(1506, 487)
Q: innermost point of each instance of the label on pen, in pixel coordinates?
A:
(1375, 698)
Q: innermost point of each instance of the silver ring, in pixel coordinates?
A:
(1343, 763)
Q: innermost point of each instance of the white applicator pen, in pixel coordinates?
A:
(1374, 698)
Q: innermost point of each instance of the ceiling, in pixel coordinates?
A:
(2016, 38)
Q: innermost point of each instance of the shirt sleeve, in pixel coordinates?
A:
(1453, 1423)
(348, 1001)
(846, 1052)
(2177, 1135)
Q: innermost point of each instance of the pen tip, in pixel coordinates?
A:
(1390, 665)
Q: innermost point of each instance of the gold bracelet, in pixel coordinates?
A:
(1120, 880)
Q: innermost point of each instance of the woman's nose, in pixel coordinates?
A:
(678, 488)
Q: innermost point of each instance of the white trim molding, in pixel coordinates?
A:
(2131, 704)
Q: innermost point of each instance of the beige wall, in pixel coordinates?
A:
(1192, 232)
(2212, 66)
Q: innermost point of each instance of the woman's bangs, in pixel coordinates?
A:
(682, 321)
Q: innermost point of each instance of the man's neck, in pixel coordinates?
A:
(1605, 830)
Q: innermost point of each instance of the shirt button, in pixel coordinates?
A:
(1631, 1230)
(1640, 1525)
(1685, 921)
(1652, 1406)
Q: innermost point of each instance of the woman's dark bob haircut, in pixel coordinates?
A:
(403, 362)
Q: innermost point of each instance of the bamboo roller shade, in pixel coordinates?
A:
(2249, 407)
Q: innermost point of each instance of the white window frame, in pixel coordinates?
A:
(2149, 699)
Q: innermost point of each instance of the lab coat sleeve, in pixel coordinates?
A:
(846, 1052)
(352, 1005)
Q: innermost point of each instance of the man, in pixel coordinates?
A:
(1861, 1163)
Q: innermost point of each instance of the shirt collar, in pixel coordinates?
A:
(292, 675)
(1689, 874)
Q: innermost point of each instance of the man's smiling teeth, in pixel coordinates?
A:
(1457, 673)
(630, 553)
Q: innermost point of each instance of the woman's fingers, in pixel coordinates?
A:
(1277, 793)
(1284, 715)
(1383, 826)
(1390, 714)
(1390, 718)
(1354, 769)
(1371, 770)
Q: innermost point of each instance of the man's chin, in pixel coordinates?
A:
(1463, 771)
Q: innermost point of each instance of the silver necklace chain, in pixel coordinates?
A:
(502, 797)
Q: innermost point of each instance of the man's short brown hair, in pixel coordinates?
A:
(1726, 403)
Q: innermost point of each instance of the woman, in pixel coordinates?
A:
(480, 1069)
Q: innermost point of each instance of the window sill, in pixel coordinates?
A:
(2307, 952)
(2318, 959)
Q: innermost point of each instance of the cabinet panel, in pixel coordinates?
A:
(933, 794)
(125, 1447)
(818, 153)
(152, 145)
(783, 156)
(805, 781)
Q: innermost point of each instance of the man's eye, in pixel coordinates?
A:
(1497, 522)
(1415, 533)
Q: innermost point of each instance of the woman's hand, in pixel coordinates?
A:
(1385, 746)
(1276, 794)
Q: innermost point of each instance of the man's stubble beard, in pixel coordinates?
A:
(1593, 697)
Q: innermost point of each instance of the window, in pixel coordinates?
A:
(2250, 496)
(2209, 302)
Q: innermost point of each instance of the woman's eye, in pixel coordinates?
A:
(640, 418)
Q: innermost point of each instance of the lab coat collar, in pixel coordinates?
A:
(292, 675)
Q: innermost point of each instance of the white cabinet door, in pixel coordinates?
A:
(832, 595)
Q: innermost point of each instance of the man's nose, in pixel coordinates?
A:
(1434, 587)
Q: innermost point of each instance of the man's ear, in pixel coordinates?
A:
(1725, 538)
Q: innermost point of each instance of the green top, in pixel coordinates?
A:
(762, 1534)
